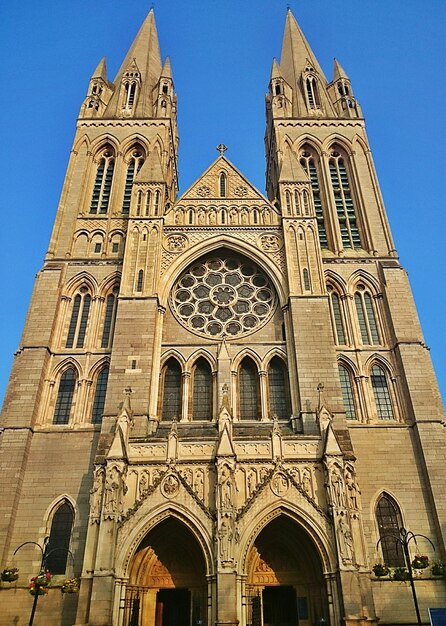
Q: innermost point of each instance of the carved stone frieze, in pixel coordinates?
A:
(148, 451)
(175, 243)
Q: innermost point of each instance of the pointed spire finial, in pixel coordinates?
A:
(221, 148)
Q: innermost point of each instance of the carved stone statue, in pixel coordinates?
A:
(226, 488)
(96, 495)
(345, 540)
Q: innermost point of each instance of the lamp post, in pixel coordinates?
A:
(403, 538)
(45, 554)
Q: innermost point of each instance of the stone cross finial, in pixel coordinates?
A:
(221, 148)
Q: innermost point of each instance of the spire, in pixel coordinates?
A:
(275, 70)
(141, 67)
(101, 70)
(338, 71)
(166, 72)
(296, 52)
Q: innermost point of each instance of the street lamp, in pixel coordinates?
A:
(404, 538)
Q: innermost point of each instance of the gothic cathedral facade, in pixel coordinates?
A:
(235, 385)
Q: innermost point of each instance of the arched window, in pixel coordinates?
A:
(99, 396)
(249, 396)
(100, 198)
(278, 388)
(288, 202)
(140, 281)
(148, 201)
(130, 89)
(365, 310)
(171, 405)
(79, 319)
(388, 517)
(308, 162)
(297, 202)
(348, 395)
(337, 316)
(306, 275)
(381, 393)
(223, 190)
(60, 537)
(65, 395)
(109, 319)
(312, 94)
(345, 207)
(202, 391)
(138, 202)
(133, 166)
(156, 203)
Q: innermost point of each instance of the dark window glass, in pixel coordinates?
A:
(59, 543)
(389, 521)
(99, 396)
(202, 391)
(109, 321)
(338, 319)
(73, 321)
(65, 397)
(347, 393)
(84, 321)
(140, 280)
(279, 397)
(381, 394)
(172, 390)
(249, 390)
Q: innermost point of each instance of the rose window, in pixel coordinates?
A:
(223, 296)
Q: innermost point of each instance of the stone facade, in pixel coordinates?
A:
(235, 387)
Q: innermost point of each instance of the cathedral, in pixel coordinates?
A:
(235, 385)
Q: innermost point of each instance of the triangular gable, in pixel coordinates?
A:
(238, 187)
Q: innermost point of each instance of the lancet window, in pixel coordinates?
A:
(381, 393)
(278, 389)
(79, 319)
(312, 93)
(388, 517)
(249, 396)
(172, 390)
(223, 185)
(309, 163)
(109, 319)
(337, 315)
(348, 395)
(100, 198)
(99, 396)
(202, 391)
(345, 208)
(133, 166)
(365, 311)
(65, 394)
(60, 538)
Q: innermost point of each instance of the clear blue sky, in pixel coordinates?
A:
(221, 54)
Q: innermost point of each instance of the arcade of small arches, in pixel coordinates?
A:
(188, 391)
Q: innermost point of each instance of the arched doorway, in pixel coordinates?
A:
(167, 581)
(285, 582)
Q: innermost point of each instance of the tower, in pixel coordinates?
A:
(223, 375)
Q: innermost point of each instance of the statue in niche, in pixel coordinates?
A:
(266, 215)
(226, 488)
(306, 483)
(212, 218)
(338, 487)
(96, 494)
(233, 216)
(178, 218)
(244, 216)
(143, 484)
(225, 536)
(113, 484)
(201, 217)
(352, 489)
(199, 484)
(345, 540)
(251, 482)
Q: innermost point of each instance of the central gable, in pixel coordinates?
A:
(222, 196)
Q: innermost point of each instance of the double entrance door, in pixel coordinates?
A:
(173, 607)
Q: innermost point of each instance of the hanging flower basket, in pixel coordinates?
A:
(37, 589)
(71, 585)
(400, 573)
(43, 578)
(10, 574)
(380, 570)
(438, 569)
(421, 561)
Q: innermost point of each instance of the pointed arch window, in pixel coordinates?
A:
(365, 311)
(99, 396)
(278, 388)
(345, 208)
(249, 396)
(202, 391)
(223, 185)
(172, 390)
(148, 201)
(65, 394)
(100, 198)
(156, 203)
(60, 538)
(312, 92)
(109, 319)
(389, 520)
(133, 166)
(140, 281)
(381, 393)
(79, 319)
(337, 315)
(348, 395)
(308, 162)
